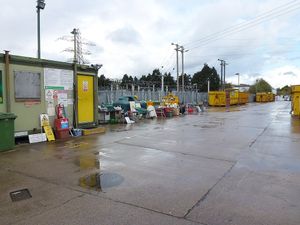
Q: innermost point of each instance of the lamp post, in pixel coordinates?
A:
(177, 66)
(40, 5)
(196, 88)
(222, 62)
(238, 74)
(182, 50)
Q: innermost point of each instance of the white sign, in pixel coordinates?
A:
(35, 138)
(58, 78)
(51, 109)
(85, 85)
(49, 95)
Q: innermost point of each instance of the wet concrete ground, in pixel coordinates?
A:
(215, 168)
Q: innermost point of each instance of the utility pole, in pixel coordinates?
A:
(222, 61)
(208, 85)
(75, 121)
(177, 66)
(224, 64)
(40, 5)
(162, 81)
(238, 74)
(75, 33)
(182, 50)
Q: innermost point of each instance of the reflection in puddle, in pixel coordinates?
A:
(111, 179)
(98, 181)
(88, 162)
(91, 182)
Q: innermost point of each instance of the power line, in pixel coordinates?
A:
(259, 17)
(246, 25)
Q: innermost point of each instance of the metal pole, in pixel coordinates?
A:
(222, 83)
(208, 85)
(224, 64)
(177, 67)
(7, 82)
(182, 66)
(221, 73)
(76, 121)
(38, 33)
(162, 82)
(132, 89)
(74, 32)
(239, 81)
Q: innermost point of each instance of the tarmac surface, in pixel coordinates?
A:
(214, 168)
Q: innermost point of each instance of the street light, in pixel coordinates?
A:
(177, 49)
(238, 74)
(182, 50)
(40, 5)
(222, 61)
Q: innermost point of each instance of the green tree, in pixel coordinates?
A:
(260, 85)
(155, 77)
(126, 80)
(103, 82)
(169, 80)
(200, 79)
(286, 90)
(187, 80)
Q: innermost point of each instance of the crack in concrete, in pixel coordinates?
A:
(88, 192)
(264, 130)
(208, 192)
(48, 210)
(176, 152)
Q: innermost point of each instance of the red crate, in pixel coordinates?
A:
(61, 134)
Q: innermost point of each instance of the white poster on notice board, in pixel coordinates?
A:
(58, 79)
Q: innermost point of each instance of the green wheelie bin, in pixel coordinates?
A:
(7, 129)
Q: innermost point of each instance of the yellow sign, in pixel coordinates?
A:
(170, 99)
(49, 133)
(44, 118)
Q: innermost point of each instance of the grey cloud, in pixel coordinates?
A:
(125, 35)
(291, 73)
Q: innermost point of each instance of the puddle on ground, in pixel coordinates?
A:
(91, 181)
(88, 161)
(206, 126)
(98, 182)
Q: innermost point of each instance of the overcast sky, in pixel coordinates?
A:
(257, 38)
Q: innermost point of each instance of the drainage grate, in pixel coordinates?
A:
(20, 195)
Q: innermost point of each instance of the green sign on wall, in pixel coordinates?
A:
(1, 88)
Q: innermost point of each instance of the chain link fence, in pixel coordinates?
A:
(110, 96)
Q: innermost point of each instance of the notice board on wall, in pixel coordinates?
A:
(27, 85)
(58, 79)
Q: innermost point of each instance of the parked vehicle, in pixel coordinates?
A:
(125, 101)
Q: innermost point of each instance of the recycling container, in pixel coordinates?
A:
(7, 129)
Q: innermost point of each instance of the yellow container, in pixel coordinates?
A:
(265, 97)
(258, 97)
(218, 98)
(243, 97)
(234, 97)
(296, 103)
(296, 100)
(295, 88)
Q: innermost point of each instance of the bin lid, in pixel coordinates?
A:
(4, 116)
